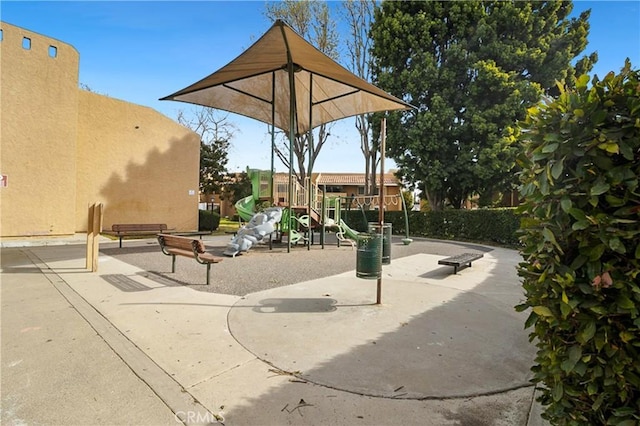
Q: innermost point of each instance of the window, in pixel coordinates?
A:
(26, 43)
(333, 188)
(53, 52)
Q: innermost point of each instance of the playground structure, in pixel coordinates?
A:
(312, 210)
(260, 226)
(286, 82)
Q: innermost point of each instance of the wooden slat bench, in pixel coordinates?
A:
(191, 233)
(174, 245)
(460, 261)
(121, 230)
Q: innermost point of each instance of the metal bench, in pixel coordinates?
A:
(460, 261)
(174, 245)
(121, 230)
(191, 233)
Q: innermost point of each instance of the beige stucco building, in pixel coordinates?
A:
(63, 148)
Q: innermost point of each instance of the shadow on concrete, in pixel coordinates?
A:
(41, 256)
(295, 305)
(138, 248)
(438, 274)
(473, 345)
(124, 283)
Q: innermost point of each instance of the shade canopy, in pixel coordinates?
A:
(259, 84)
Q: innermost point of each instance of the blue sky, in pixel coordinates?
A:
(142, 51)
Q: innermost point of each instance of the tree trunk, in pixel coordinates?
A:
(435, 201)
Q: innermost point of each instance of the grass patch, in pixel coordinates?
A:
(226, 226)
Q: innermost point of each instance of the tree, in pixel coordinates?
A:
(215, 133)
(472, 69)
(310, 19)
(237, 187)
(359, 15)
(581, 248)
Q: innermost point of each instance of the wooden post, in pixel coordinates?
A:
(92, 208)
(97, 230)
(94, 228)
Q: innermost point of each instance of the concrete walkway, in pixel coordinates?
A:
(120, 347)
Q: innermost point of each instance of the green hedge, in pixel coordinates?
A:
(497, 226)
(581, 250)
(208, 220)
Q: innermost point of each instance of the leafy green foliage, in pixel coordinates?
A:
(581, 249)
(208, 220)
(237, 186)
(471, 68)
(213, 165)
(461, 225)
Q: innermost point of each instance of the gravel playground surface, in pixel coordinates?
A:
(262, 268)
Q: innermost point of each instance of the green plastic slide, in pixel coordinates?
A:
(246, 208)
(348, 232)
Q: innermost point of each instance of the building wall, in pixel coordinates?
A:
(39, 104)
(140, 164)
(63, 148)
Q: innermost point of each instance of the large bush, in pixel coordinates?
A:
(581, 239)
(497, 226)
(208, 220)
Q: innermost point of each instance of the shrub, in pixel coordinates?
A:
(483, 225)
(581, 250)
(208, 220)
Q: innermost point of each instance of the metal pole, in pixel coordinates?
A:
(406, 217)
(273, 133)
(323, 214)
(310, 167)
(212, 207)
(292, 132)
(383, 135)
(336, 206)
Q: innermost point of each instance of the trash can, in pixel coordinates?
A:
(374, 228)
(369, 256)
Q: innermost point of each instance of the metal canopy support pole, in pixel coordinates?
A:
(291, 69)
(310, 167)
(273, 134)
(292, 135)
(383, 135)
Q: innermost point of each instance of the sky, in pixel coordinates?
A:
(142, 51)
